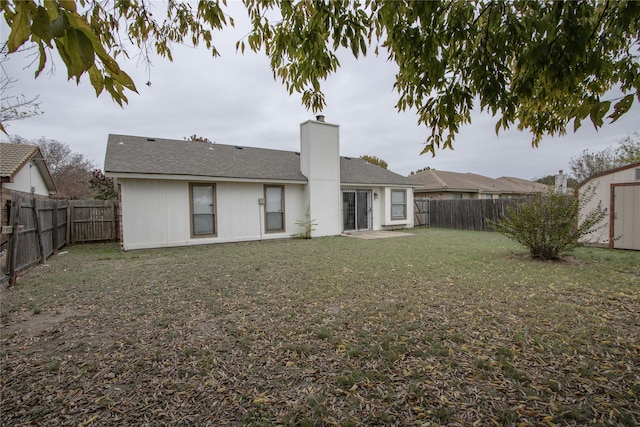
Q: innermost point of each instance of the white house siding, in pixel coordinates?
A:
(156, 213)
(387, 222)
(28, 176)
(381, 207)
(603, 187)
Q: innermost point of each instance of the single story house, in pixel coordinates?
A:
(178, 193)
(23, 170)
(436, 184)
(617, 190)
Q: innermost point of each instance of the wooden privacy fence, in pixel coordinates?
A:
(421, 212)
(93, 221)
(38, 228)
(461, 214)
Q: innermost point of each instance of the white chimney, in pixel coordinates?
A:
(320, 163)
(561, 183)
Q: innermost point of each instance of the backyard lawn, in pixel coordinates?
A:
(442, 327)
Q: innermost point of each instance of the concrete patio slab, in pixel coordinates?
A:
(378, 234)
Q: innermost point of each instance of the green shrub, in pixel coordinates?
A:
(548, 223)
(307, 224)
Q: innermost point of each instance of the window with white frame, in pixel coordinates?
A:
(398, 204)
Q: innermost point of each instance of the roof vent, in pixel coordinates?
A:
(320, 118)
(297, 153)
(120, 143)
(151, 139)
(238, 147)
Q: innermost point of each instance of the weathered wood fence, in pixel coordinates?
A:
(462, 214)
(93, 221)
(38, 228)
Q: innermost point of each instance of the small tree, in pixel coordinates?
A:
(197, 138)
(308, 224)
(589, 163)
(102, 186)
(69, 170)
(548, 223)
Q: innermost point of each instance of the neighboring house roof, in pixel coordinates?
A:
(444, 181)
(141, 155)
(14, 157)
(609, 172)
(523, 185)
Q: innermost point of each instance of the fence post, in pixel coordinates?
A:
(36, 217)
(54, 241)
(69, 222)
(13, 242)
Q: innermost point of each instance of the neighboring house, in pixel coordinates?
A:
(617, 190)
(436, 184)
(22, 169)
(177, 193)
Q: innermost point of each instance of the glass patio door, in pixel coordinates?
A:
(356, 210)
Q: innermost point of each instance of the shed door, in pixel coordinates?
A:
(626, 217)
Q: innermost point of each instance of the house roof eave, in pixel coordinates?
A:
(179, 177)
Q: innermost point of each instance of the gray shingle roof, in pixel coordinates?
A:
(436, 180)
(358, 171)
(134, 154)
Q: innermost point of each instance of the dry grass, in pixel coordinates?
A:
(441, 328)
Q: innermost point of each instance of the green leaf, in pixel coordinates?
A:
(598, 112)
(498, 124)
(576, 124)
(85, 50)
(42, 61)
(52, 9)
(621, 107)
(79, 23)
(20, 28)
(41, 26)
(70, 5)
(59, 26)
(125, 80)
(96, 79)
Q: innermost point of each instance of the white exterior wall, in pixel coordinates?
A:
(381, 207)
(602, 186)
(320, 163)
(156, 213)
(388, 223)
(28, 176)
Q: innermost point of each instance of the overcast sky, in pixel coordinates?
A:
(234, 99)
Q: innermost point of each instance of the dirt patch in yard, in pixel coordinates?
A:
(33, 324)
